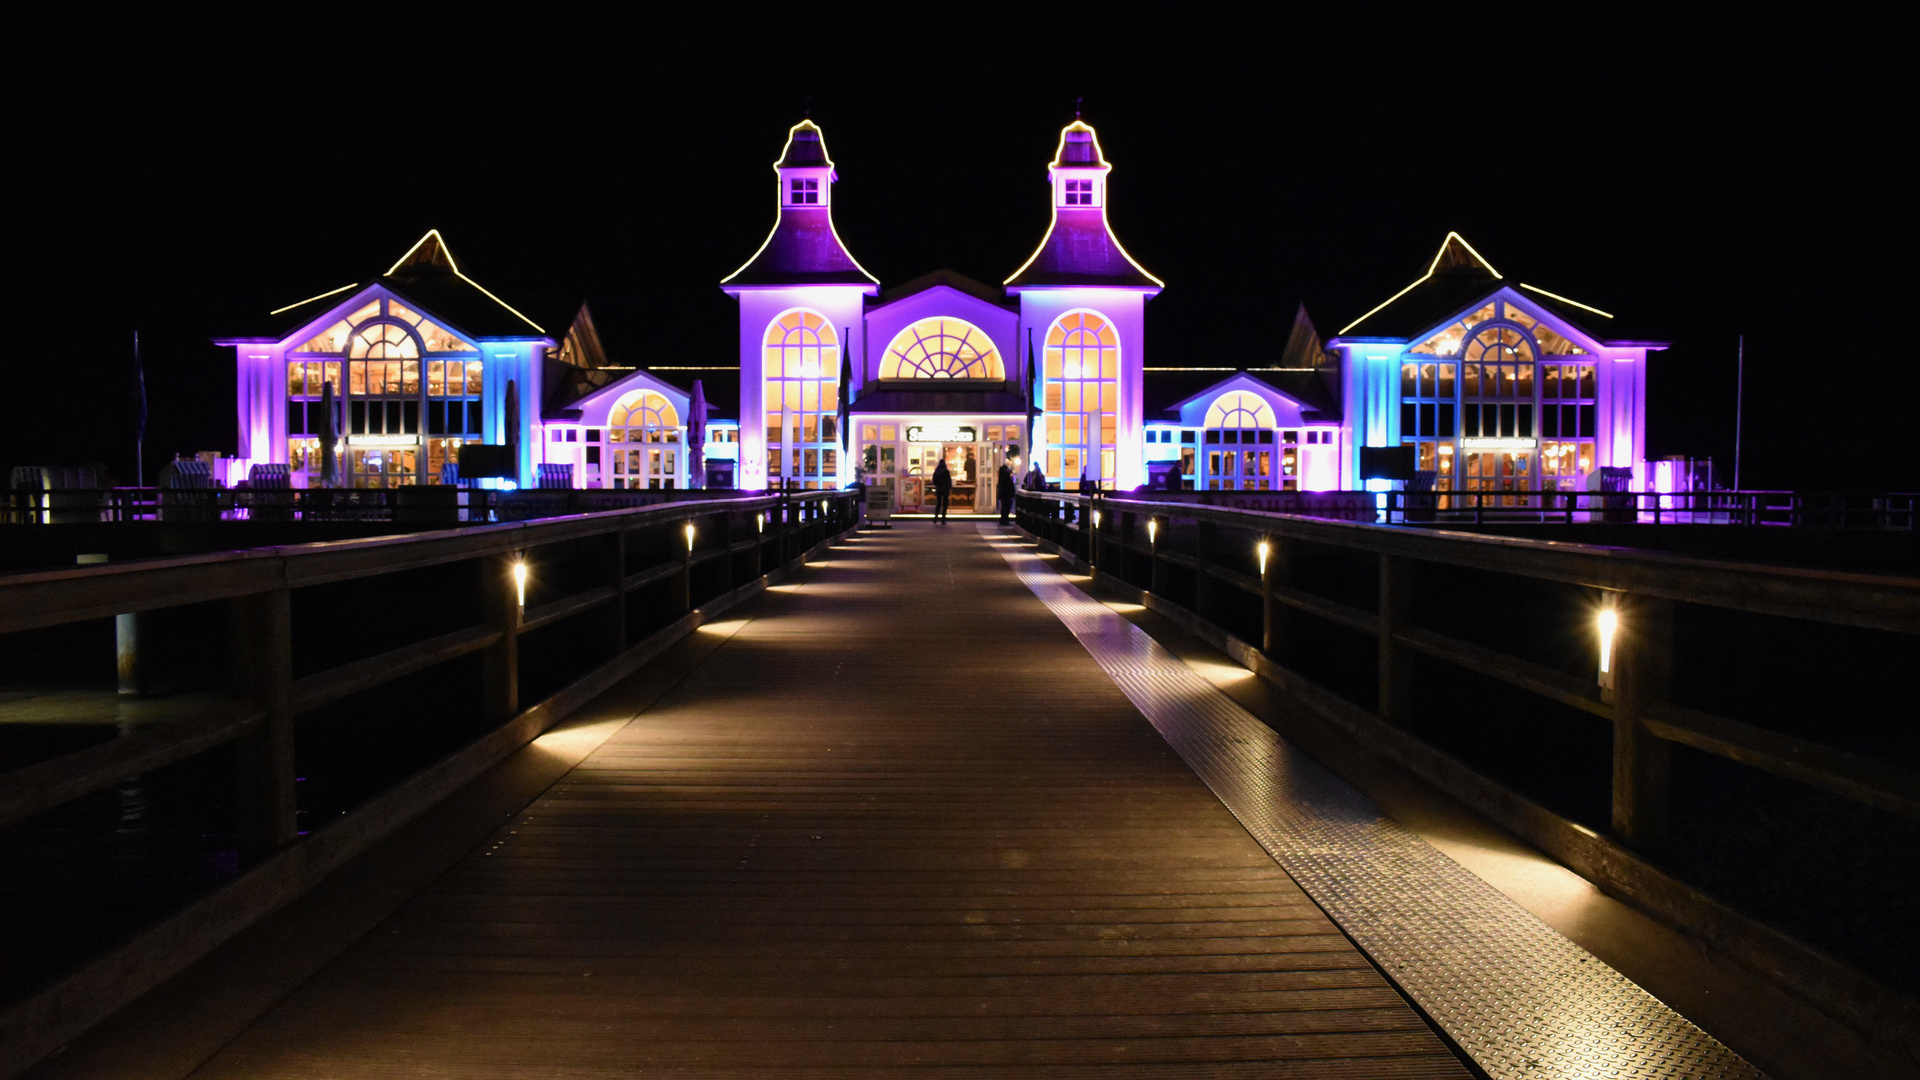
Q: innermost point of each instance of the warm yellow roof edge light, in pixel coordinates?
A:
(782, 213)
(455, 267)
(311, 299)
(1564, 300)
(1431, 267)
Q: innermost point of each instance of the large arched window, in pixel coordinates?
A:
(942, 349)
(643, 433)
(1081, 370)
(800, 361)
(1239, 443)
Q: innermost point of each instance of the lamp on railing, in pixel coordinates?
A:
(688, 529)
(1153, 530)
(520, 582)
(1096, 519)
(1263, 548)
(1608, 623)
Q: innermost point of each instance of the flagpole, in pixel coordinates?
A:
(140, 424)
(1739, 403)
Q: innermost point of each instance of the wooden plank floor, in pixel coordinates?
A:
(901, 822)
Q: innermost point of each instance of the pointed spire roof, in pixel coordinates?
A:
(805, 148)
(803, 248)
(1080, 248)
(1078, 146)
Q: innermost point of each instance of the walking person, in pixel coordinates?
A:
(1003, 492)
(942, 490)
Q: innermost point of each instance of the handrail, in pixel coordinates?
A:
(51, 597)
(1874, 601)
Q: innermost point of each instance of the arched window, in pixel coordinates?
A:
(1239, 443)
(643, 430)
(383, 341)
(1496, 402)
(800, 362)
(1081, 371)
(942, 349)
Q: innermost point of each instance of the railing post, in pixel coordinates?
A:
(1643, 659)
(500, 664)
(1273, 571)
(1093, 543)
(1395, 689)
(684, 601)
(619, 557)
(263, 673)
(759, 543)
(1205, 551)
(1155, 575)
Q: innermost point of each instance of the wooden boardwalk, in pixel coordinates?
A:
(901, 822)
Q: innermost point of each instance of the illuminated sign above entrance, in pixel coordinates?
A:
(1497, 444)
(367, 442)
(942, 433)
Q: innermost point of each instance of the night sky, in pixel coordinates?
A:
(181, 180)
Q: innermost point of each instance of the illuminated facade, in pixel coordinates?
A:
(1489, 383)
(420, 360)
(940, 368)
(1495, 384)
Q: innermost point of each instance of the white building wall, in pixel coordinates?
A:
(1126, 309)
(840, 304)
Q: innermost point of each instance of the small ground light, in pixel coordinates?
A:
(689, 531)
(1608, 622)
(1263, 548)
(520, 582)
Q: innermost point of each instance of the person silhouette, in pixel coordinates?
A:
(942, 490)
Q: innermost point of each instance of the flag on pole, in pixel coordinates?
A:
(1034, 388)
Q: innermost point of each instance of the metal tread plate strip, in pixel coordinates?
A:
(1511, 991)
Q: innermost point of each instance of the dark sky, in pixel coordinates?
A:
(1701, 184)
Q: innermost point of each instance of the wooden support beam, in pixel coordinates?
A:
(1395, 689)
(1642, 760)
(1205, 555)
(263, 674)
(501, 665)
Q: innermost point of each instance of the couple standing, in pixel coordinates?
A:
(943, 491)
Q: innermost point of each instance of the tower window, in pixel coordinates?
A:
(1079, 193)
(806, 192)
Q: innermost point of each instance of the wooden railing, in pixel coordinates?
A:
(1128, 544)
(1832, 510)
(693, 558)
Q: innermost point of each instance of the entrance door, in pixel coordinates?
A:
(963, 461)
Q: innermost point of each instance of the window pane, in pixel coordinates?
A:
(1407, 374)
(1446, 380)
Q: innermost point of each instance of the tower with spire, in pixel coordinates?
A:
(800, 299)
(1082, 302)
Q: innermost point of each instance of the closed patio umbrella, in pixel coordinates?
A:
(697, 437)
(846, 390)
(510, 416)
(329, 435)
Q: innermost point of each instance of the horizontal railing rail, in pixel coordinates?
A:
(1125, 541)
(1838, 510)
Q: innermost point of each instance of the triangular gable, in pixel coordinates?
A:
(1192, 410)
(594, 406)
(581, 347)
(333, 327)
(1554, 332)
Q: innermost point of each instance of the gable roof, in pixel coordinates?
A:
(1460, 279)
(958, 282)
(427, 278)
